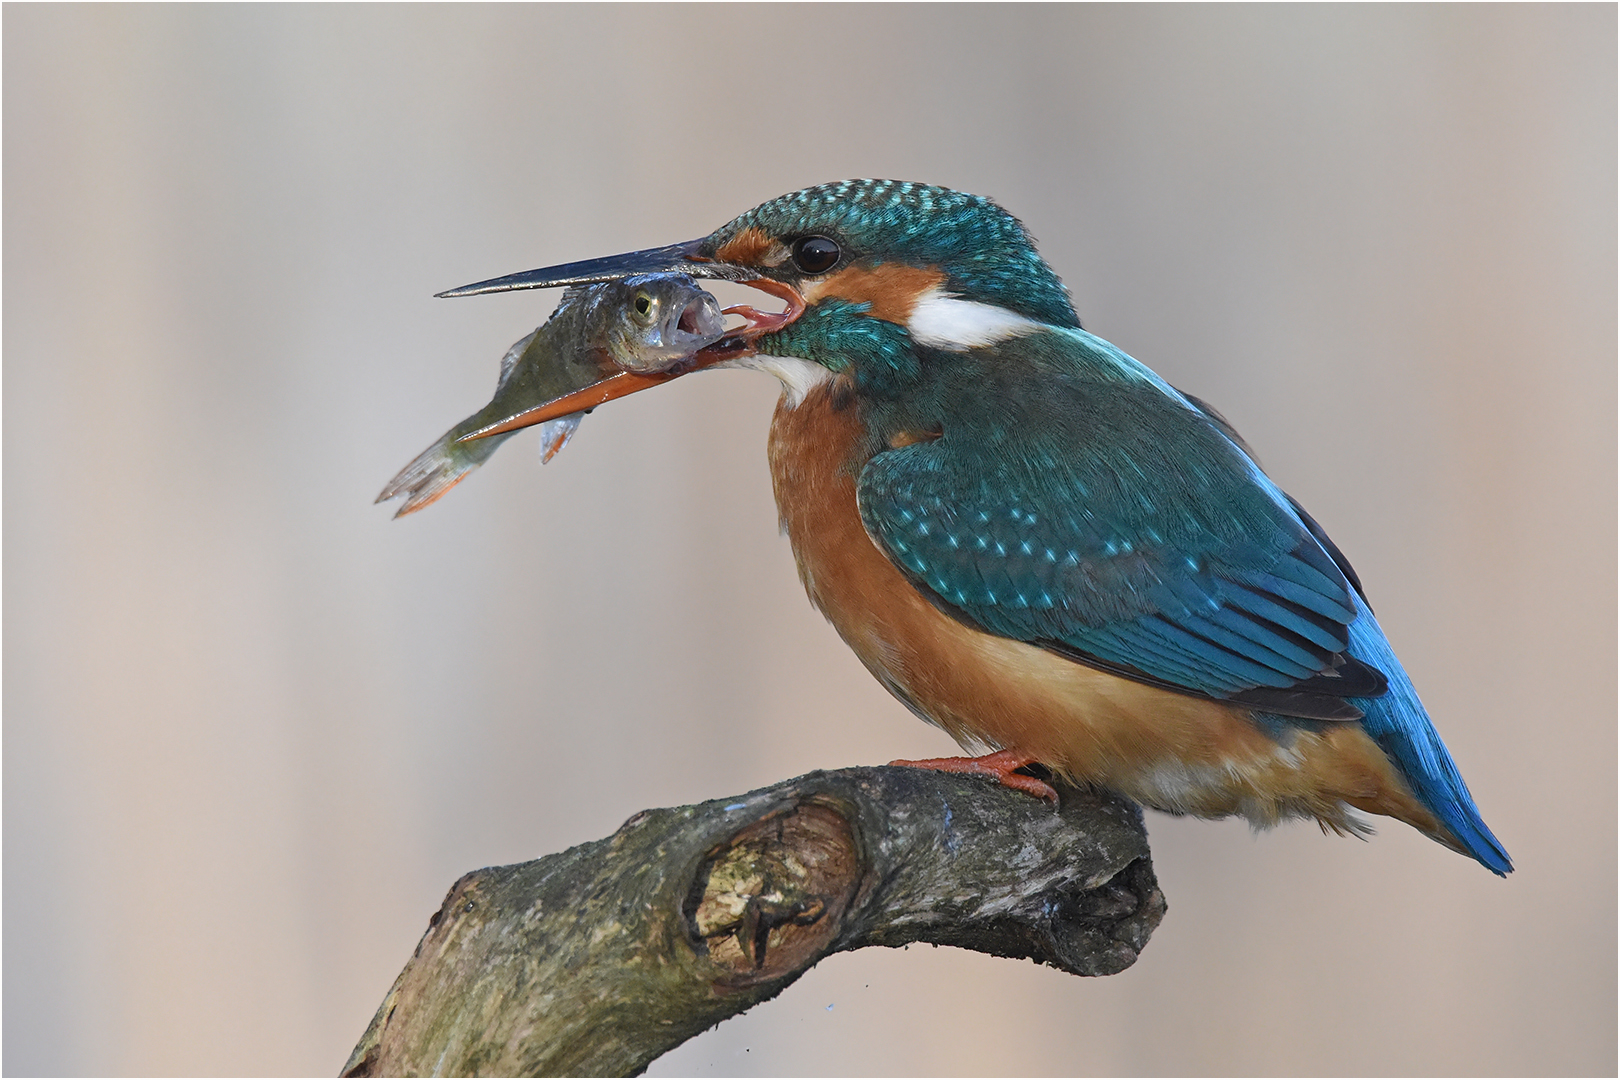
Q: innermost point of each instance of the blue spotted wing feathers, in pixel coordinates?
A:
(1124, 529)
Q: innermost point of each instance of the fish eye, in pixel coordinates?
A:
(815, 254)
(643, 303)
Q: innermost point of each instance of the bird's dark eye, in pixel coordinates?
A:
(643, 303)
(815, 254)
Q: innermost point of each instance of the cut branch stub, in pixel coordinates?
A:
(597, 960)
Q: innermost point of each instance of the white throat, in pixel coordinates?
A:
(798, 376)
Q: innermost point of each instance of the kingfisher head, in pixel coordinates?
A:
(873, 275)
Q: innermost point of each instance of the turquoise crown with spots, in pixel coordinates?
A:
(986, 254)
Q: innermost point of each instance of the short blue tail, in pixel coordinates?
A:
(1401, 727)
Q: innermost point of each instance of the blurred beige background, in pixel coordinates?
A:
(254, 728)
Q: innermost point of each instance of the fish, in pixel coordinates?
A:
(644, 325)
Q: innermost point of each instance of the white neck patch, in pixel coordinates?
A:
(945, 322)
(799, 376)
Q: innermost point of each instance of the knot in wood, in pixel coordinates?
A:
(768, 900)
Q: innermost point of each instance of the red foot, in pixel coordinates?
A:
(1001, 765)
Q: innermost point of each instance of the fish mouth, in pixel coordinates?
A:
(699, 324)
(693, 318)
(685, 258)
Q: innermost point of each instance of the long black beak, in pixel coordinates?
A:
(676, 259)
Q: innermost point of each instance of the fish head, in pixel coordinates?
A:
(651, 322)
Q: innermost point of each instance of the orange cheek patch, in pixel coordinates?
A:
(891, 288)
(750, 247)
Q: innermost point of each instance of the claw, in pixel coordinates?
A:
(1002, 766)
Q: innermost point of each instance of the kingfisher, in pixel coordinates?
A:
(1035, 542)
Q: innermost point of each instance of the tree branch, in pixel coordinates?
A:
(599, 959)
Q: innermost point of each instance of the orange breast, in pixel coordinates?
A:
(1173, 751)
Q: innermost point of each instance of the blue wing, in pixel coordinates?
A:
(1122, 528)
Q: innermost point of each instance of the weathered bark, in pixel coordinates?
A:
(598, 960)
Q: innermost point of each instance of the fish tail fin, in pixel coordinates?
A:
(437, 469)
(1401, 727)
